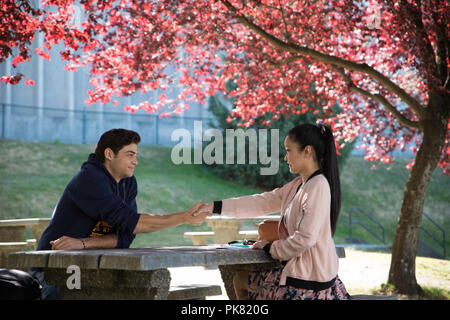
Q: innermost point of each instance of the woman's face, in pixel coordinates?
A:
(294, 157)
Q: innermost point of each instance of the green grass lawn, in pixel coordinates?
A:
(34, 175)
(380, 193)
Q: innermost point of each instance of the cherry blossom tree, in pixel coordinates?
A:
(385, 63)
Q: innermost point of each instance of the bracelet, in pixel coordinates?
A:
(267, 249)
(217, 207)
(84, 245)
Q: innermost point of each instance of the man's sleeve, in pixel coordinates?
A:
(99, 202)
(124, 239)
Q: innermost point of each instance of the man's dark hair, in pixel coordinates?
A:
(115, 139)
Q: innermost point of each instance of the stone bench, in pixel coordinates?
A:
(125, 284)
(32, 243)
(199, 237)
(193, 292)
(7, 247)
(12, 232)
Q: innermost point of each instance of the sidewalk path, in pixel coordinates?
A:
(358, 276)
(359, 271)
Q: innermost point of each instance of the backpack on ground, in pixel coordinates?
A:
(18, 285)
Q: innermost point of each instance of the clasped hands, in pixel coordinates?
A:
(201, 210)
(197, 214)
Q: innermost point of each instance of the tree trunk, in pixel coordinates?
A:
(402, 273)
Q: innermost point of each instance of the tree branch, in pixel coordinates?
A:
(380, 99)
(426, 51)
(285, 61)
(288, 36)
(332, 60)
(442, 50)
(389, 107)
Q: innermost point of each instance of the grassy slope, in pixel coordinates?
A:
(33, 176)
(380, 193)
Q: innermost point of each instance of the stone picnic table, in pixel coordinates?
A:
(227, 229)
(137, 273)
(12, 230)
(12, 233)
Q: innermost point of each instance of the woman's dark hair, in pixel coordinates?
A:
(115, 139)
(320, 138)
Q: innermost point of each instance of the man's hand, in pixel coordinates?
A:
(195, 215)
(205, 208)
(66, 243)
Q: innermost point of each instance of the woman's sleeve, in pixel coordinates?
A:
(313, 213)
(257, 204)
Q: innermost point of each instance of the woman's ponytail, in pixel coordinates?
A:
(330, 169)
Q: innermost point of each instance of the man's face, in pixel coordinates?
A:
(121, 165)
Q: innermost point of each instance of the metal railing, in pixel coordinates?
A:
(357, 210)
(81, 119)
(442, 243)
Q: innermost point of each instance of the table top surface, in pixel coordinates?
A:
(220, 217)
(23, 222)
(142, 259)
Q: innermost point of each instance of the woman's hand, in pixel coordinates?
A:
(258, 245)
(205, 208)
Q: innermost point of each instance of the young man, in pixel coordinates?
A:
(98, 207)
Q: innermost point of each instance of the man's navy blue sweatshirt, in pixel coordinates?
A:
(92, 196)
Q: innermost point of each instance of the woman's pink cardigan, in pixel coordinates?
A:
(307, 246)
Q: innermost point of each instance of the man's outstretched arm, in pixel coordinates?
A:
(150, 222)
(147, 223)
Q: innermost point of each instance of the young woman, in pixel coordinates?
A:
(309, 207)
